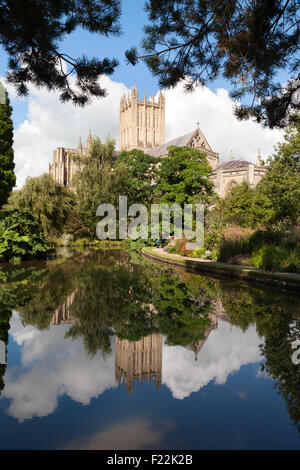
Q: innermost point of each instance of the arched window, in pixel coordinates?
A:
(229, 187)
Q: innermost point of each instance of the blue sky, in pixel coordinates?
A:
(42, 123)
(82, 42)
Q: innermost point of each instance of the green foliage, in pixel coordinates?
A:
(274, 249)
(277, 195)
(95, 183)
(248, 43)
(278, 258)
(7, 176)
(31, 34)
(237, 205)
(184, 177)
(138, 170)
(232, 247)
(75, 226)
(49, 202)
(21, 235)
(214, 226)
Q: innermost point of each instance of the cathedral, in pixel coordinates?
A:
(142, 126)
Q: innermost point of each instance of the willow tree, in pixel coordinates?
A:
(47, 201)
(7, 176)
(96, 182)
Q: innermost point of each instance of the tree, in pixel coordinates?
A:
(277, 195)
(31, 31)
(7, 176)
(139, 171)
(49, 202)
(184, 177)
(95, 183)
(21, 235)
(248, 43)
(237, 206)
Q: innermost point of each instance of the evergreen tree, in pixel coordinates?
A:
(31, 32)
(248, 43)
(7, 176)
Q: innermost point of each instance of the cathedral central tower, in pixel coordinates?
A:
(142, 122)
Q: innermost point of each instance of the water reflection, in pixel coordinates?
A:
(139, 361)
(93, 323)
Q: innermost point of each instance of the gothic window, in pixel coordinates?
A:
(229, 187)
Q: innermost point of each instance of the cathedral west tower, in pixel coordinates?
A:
(142, 122)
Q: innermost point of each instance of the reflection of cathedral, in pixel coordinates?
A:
(196, 347)
(139, 360)
(61, 315)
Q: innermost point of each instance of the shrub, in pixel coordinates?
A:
(230, 248)
(277, 258)
(21, 235)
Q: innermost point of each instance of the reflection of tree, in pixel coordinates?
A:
(5, 315)
(277, 320)
(45, 297)
(107, 299)
(182, 310)
(277, 351)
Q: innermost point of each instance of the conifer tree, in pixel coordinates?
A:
(31, 32)
(7, 176)
(252, 44)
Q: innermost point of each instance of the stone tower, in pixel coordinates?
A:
(142, 122)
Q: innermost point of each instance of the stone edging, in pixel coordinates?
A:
(282, 280)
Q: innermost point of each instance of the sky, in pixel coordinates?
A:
(42, 123)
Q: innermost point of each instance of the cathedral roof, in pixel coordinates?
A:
(161, 150)
(234, 164)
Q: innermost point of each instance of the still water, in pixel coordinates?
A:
(108, 350)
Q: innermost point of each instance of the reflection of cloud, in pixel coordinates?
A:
(225, 351)
(21, 335)
(138, 433)
(52, 366)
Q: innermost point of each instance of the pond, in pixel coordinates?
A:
(107, 350)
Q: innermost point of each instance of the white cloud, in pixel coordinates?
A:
(225, 351)
(214, 112)
(52, 366)
(50, 124)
